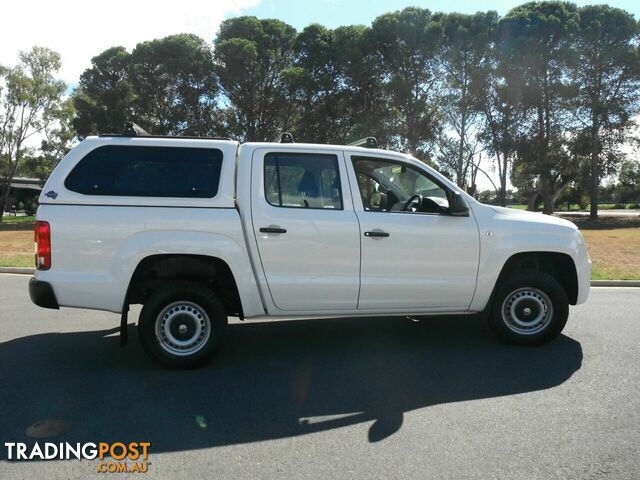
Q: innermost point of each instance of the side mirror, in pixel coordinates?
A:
(457, 206)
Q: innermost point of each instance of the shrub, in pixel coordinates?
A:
(31, 207)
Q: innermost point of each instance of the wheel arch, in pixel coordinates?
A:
(213, 272)
(557, 264)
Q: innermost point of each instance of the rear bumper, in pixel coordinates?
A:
(42, 294)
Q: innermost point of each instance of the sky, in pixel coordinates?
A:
(334, 13)
(81, 30)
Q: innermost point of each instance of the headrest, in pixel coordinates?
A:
(308, 184)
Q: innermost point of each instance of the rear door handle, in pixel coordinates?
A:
(273, 230)
(376, 233)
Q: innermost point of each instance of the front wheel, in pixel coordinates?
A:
(182, 324)
(529, 308)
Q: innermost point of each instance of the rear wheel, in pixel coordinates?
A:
(529, 308)
(182, 324)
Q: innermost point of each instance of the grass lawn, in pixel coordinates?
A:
(615, 253)
(16, 248)
(26, 261)
(20, 219)
(576, 208)
(614, 247)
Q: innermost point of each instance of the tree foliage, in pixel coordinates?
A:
(174, 86)
(252, 57)
(168, 86)
(104, 98)
(30, 104)
(317, 86)
(628, 188)
(407, 43)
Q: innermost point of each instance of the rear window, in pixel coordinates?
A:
(148, 172)
(302, 180)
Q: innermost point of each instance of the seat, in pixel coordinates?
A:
(309, 190)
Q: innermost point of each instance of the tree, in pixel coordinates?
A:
(104, 97)
(314, 82)
(500, 101)
(250, 58)
(174, 85)
(336, 85)
(365, 104)
(628, 187)
(607, 75)
(30, 103)
(166, 85)
(536, 39)
(527, 176)
(58, 140)
(464, 55)
(408, 43)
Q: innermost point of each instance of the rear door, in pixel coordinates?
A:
(306, 229)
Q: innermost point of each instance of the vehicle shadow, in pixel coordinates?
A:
(270, 380)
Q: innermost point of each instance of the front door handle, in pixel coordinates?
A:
(273, 230)
(376, 233)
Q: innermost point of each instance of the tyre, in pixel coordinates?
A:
(182, 324)
(528, 308)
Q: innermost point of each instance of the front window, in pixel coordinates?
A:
(392, 186)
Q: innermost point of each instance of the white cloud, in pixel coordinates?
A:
(81, 30)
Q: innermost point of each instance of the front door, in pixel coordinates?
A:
(306, 229)
(415, 256)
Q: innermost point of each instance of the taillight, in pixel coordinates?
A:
(43, 245)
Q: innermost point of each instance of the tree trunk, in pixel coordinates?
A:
(3, 199)
(7, 187)
(595, 170)
(593, 198)
(547, 196)
(412, 145)
(460, 173)
(502, 194)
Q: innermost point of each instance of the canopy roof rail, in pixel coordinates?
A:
(166, 137)
(132, 129)
(366, 142)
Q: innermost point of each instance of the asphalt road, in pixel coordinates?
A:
(350, 398)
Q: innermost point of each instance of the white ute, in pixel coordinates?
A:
(199, 229)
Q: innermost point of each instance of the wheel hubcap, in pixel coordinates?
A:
(183, 328)
(527, 311)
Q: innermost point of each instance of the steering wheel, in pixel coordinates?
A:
(417, 199)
